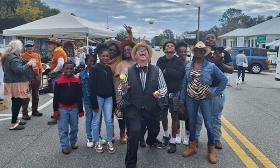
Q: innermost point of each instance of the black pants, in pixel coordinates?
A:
(134, 118)
(16, 105)
(241, 71)
(143, 130)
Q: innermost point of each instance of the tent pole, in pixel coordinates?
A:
(87, 43)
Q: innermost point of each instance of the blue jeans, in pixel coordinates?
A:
(217, 108)
(68, 117)
(88, 114)
(241, 71)
(204, 105)
(105, 107)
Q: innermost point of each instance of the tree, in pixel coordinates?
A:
(168, 34)
(8, 8)
(158, 40)
(122, 35)
(27, 11)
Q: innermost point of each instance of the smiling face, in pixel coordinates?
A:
(142, 54)
(113, 51)
(127, 52)
(182, 52)
(68, 70)
(104, 57)
(210, 40)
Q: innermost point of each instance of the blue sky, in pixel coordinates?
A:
(171, 14)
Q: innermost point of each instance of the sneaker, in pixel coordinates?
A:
(110, 147)
(186, 140)
(66, 151)
(26, 117)
(53, 121)
(102, 140)
(178, 139)
(37, 114)
(218, 144)
(171, 148)
(98, 147)
(165, 140)
(89, 143)
(158, 145)
(74, 146)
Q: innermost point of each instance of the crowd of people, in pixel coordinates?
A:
(124, 84)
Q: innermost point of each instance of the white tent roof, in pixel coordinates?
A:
(271, 26)
(274, 43)
(63, 25)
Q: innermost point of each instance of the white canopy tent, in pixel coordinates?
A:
(274, 43)
(63, 25)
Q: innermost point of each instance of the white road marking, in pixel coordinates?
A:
(20, 115)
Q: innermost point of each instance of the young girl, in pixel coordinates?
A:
(102, 97)
(68, 106)
(84, 76)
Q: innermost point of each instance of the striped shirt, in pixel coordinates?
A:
(162, 88)
(195, 88)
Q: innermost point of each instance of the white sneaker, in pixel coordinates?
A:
(89, 144)
(186, 140)
(98, 147)
(110, 147)
(178, 139)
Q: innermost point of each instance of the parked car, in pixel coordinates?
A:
(257, 58)
(157, 48)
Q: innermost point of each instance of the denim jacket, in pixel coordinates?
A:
(84, 77)
(209, 72)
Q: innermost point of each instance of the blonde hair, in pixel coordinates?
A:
(14, 46)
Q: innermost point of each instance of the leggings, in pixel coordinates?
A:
(16, 105)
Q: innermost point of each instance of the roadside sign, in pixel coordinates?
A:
(189, 36)
(261, 39)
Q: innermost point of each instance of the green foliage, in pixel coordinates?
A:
(122, 35)
(30, 10)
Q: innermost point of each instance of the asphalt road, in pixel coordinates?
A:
(251, 136)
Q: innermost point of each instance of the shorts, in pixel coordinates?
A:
(171, 102)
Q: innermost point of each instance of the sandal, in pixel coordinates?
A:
(16, 127)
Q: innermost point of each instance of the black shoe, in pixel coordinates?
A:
(171, 148)
(218, 144)
(142, 144)
(52, 122)
(158, 145)
(37, 114)
(165, 140)
(26, 117)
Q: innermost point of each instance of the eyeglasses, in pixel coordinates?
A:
(141, 49)
(29, 46)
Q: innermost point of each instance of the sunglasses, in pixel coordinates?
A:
(141, 49)
(29, 46)
(201, 50)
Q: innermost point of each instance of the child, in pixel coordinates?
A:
(84, 75)
(102, 98)
(68, 106)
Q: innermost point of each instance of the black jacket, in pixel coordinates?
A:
(67, 92)
(101, 83)
(173, 72)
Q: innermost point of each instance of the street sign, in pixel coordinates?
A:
(189, 36)
(261, 39)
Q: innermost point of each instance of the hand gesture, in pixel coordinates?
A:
(127, 28)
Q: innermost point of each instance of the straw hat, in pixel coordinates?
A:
(200, 44)
(141, 44)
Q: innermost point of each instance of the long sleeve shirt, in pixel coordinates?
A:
(161, 82)
(240, 59)
(67, 93)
